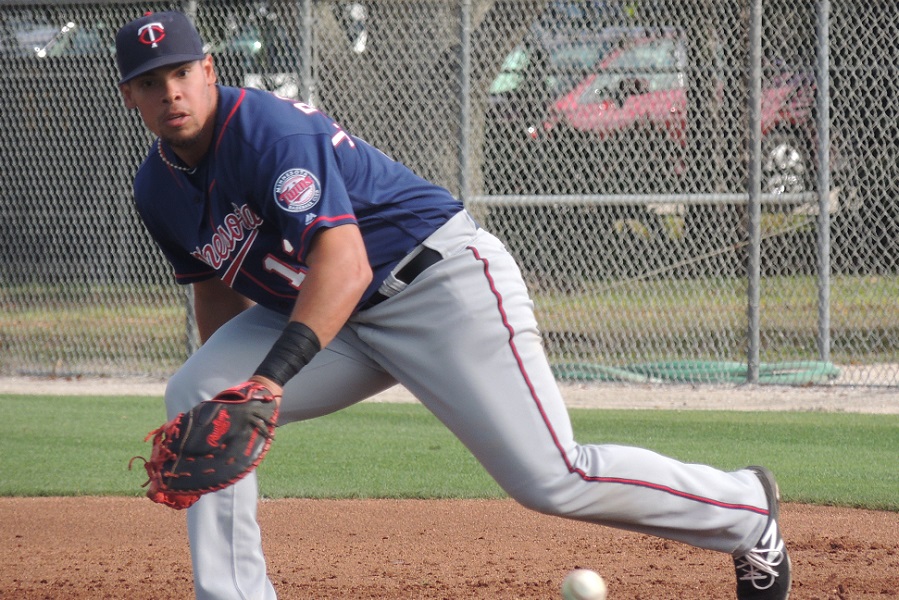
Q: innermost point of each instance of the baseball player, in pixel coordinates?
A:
(325, 272)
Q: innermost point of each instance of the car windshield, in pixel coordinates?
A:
(653, 65)
(563, 64)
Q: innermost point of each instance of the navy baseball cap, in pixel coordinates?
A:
(156, 40)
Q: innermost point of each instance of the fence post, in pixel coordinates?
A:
(755, 187)
(465, 101)
(308, 85)
(191, 337)
(823, 126)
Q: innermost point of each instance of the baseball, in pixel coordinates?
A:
(583, 584)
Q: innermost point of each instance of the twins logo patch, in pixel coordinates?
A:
(297, 190)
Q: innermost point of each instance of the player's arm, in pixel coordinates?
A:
(215, 304)
(338, 275)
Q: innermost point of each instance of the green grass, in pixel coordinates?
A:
(53, 446)
(787, 303)
(667, 319)
(685, 319)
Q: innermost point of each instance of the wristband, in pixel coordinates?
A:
(293, 351)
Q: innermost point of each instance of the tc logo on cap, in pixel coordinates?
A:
(140, 47)
(151, 34)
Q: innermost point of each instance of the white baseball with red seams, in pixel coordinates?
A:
(584, 584)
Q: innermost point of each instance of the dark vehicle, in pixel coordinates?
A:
(36, 37)
(258, 53)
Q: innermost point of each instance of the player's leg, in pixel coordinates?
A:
(343, 376)
(225, 539)
(226, 545)
(463, 339)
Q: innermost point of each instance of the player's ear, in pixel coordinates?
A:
(125, 88)
(209, 69)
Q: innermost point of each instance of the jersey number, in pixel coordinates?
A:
(293, 276)
(338, 138)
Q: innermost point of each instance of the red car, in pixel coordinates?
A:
(634, 108)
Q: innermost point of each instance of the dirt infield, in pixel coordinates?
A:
(130, 548)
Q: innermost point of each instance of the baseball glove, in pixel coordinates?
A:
(215, 444)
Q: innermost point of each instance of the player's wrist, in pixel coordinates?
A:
(269, 385)
(293, 350)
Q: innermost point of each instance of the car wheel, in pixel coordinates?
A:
(786, 164)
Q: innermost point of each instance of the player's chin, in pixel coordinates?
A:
(179, 137)
(178, 130)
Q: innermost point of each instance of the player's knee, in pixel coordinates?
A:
(206, 373)
(177, 396)
(184, 391)
(548, 497)
(541, 505)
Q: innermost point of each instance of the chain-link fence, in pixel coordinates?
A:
(696, 190)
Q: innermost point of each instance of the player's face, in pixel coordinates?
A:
(177, 103)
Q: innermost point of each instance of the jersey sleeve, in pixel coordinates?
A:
(305, 188)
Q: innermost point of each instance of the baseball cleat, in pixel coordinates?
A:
(763, 573)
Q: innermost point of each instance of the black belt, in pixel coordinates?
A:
(412, 269)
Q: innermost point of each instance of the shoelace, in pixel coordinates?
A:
(759, 564)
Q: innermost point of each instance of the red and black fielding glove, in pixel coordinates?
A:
(215, 444)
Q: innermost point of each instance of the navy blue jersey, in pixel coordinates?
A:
(277, 171)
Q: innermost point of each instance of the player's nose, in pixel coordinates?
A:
(172, 91)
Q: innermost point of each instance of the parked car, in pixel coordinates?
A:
(255, 50)
(38, 37)
(625, 127)
(545, 65)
